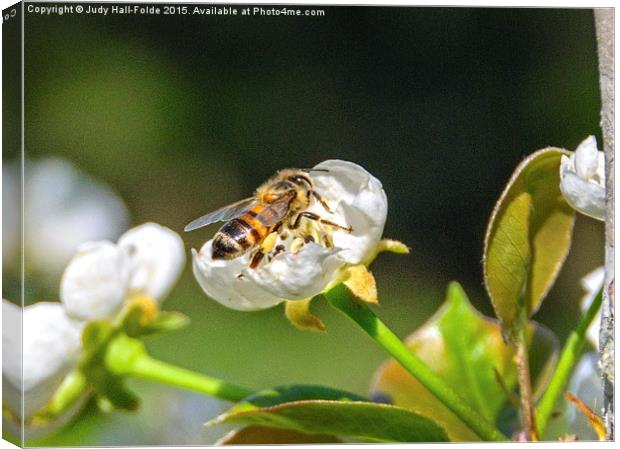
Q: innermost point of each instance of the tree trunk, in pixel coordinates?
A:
(604, 19)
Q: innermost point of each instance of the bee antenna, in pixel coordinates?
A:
(308, 170)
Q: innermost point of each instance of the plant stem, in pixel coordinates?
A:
(340, 298)
(146, 367)
(525, 384)
(569, 356)
(69, 391)
(126, 356)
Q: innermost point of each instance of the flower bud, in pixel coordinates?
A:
(582, 179)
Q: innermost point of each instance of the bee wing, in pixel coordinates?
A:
(222, 214)
(275, 212)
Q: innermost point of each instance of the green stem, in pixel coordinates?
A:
(525, 383)
(340, 298)
(69, 391)
(570, 354)
(127, 356)
(149, 368)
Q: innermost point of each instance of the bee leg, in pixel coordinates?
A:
(277, 250)
(320, 199)
(315, 217)
(256, 258)
(327, 240)
(322, 236)
(277, 228)
(269, 242)
(265, 248)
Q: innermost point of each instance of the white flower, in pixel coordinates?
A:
(582, 179)
(102, 275)
(592, 284)
(357, 200)
(157, 257)
(216, 279)
(95, 283)
(63, 207)
(50, 349)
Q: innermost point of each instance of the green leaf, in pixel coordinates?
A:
(289, 393)
(527, 238)
(318, 410)
(466, 349)
(365, 421)
(271, 435)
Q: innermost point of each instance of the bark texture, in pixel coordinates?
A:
(604, 19)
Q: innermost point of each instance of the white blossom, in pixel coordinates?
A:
(147, 260)
(224, 281)
(63, 207)
(582, 179)
(356, 199)
(592, 284)
(156, 256)
(95, 283)
(48, 349)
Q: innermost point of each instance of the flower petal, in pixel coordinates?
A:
(11, 342)
(94, 284)
(358, 200)
(157, 257)
(599, 175)
(64, 208)
(221, 281)
(586, 158)
(51, 347)
(298, 275)
(586, 197)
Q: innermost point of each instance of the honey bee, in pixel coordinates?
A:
(255, 223)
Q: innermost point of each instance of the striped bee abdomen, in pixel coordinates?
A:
(237, 236)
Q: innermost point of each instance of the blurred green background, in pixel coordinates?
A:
(183, 114)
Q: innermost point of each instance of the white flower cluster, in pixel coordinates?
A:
(582, 179)
(356, 199)
(100, 278)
